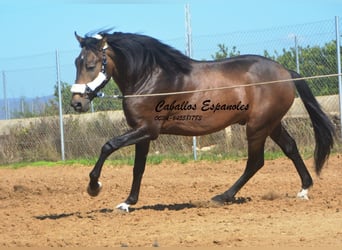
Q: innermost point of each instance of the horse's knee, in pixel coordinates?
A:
(107, 149)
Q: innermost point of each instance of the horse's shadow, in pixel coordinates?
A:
(90, 214)
(162, 207)
(156, 207)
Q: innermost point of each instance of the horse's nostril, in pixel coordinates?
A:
(77, 105)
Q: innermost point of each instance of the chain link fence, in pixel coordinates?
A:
(29, 122)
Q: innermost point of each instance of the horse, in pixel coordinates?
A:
(166, 92)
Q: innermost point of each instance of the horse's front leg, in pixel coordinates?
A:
(141, 151)
(129, 138)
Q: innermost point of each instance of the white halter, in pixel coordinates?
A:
(90, 86)
(101, 77)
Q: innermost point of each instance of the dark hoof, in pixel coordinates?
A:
(223, 200)
(94, 191)
(220, 199)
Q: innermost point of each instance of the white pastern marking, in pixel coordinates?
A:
(123, 206)
(303, 194)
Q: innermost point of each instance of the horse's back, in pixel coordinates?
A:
(227, 92)
(265, 86)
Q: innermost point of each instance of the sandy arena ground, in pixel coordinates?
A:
(42, 206)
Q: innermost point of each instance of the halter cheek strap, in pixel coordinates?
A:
(90, 87)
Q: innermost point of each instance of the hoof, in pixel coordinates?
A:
(303, 194)
(124, 207)
(218, 199)
(94, 192)
(222, 200)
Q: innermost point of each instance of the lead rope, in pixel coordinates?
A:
(218, 88)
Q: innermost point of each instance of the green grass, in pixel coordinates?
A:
(152, 160)
(33, 164)
(157, 159)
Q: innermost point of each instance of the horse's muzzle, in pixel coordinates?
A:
(80, 104)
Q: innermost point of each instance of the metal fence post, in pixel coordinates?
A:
(188, 50)
(338, 51)
(60, 98)
(297, 55)
(5, 96)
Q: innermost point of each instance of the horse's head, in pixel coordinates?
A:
(91, 67)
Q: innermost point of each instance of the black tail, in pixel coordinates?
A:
(323, 128)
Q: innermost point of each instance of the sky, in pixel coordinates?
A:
(32, 30)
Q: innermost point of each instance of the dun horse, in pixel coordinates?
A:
(163, 93)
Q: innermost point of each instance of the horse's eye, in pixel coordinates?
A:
(90, 66)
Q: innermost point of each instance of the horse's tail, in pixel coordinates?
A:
(323, 128)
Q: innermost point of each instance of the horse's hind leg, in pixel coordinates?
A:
(256, 142)
(289, 147)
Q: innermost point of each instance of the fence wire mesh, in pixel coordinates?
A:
(29, 122)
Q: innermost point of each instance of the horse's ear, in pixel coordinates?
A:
(79, 38)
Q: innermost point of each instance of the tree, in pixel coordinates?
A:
(52, 106)
(313, 61)
(224, 52)
(66, 97)
(108, 102)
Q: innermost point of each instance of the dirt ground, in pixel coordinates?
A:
(49, 206)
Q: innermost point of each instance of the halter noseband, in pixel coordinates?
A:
(90, 87)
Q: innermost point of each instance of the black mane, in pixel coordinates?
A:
(142, 54)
